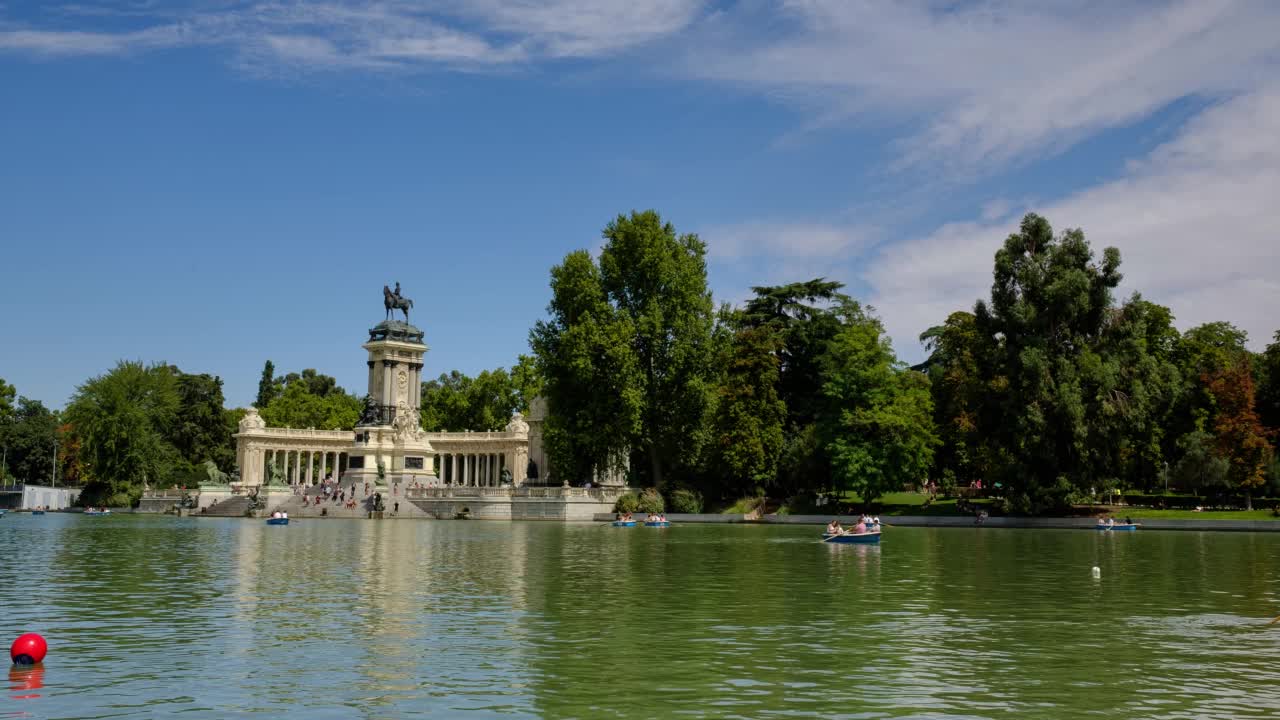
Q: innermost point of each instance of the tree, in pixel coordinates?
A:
(1204, 350)
(8, 394)
(527, 381)
(199, 428)
(1049, 373)
(585, 355)
(1131, 394)
(878, 424)
(1241, 439)
(121, 419)
(1199, 468)
(805, 315)
(7, 409)
(267, 389)
(956, 386)
(454, 402)
(657, 280)
(1268, 366)
(297, 407)
(29, 438)
(749, 419)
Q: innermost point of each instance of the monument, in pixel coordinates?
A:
(390, 446)
(387, 464)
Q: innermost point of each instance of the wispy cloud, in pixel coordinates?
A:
(780, 240)
(1195, 222)
(390, 34)
(987, 83)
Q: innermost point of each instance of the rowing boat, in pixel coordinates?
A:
(624, 523)
(277, 521)
(1118, 527)
(866, 538)
(658, 523)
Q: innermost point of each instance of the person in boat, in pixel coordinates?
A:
(833, 528)
(275, 514)
(284, 515)
(1111, 522)
(875, 522)
(1127, 520)
(860, 528)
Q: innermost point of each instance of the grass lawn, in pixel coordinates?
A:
(1136, 513)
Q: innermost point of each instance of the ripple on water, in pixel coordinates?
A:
(210, 618)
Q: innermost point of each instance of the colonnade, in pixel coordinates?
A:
(471, 469)
(304, 467)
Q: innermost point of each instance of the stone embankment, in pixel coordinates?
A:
(964, 521)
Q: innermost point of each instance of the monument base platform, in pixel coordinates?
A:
(519, 503)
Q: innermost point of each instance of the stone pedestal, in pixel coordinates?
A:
(389, 434)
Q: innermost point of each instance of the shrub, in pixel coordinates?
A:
(686, 501)
(627, 503)
(651, 501)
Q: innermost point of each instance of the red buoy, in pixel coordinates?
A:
(28, 649)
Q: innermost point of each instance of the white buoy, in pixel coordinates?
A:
(1097, 572)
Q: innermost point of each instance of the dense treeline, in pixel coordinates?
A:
(1050, 390)
(133, 425)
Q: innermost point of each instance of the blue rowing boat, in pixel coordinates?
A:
(624, 523)
(663, 523)
(37, 512)
(277, 521)
(1118, 527)
(866, 538)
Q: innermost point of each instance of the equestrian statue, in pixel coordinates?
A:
(392, 301)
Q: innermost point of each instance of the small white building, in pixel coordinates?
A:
(47, 497)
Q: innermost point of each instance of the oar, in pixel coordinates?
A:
(1273, 622)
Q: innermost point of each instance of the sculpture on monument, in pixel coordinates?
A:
(369, 414)
(393, 301)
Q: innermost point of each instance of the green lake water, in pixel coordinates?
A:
(208, 618)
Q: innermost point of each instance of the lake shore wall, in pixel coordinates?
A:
(961, 521)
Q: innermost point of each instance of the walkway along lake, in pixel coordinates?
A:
(155, 616)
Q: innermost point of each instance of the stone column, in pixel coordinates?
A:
(284, 466)
(388, 392)
(372, 387)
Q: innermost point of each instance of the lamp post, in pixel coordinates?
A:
(55, 461)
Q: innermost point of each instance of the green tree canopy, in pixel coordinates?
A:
(455, 402)
(588, 364)
(878, 424)
(749, 414)
(657, 279)
(28, 437)
(122, 418)
(1042, 330)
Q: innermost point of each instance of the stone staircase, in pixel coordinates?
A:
(234, 507)
(296, 509)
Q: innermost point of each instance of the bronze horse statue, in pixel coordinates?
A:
(393, 301)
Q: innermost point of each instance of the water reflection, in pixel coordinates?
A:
(339, 618)
(25, 680)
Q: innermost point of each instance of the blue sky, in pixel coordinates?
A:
(220, 182)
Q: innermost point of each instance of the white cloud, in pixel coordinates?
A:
(386, 34)
(785, 241)
(987, 83)
(1196, 224)
(583, 28)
